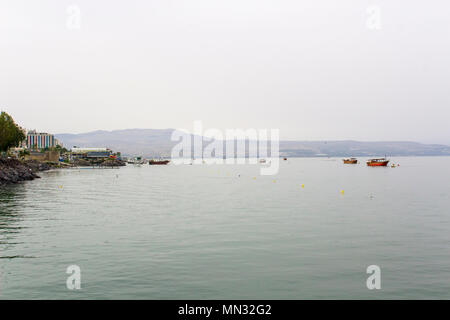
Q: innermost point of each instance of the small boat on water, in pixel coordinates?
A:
(158, 162)
(381, 162)
(262, 161)
(350, 161)
(136, 161)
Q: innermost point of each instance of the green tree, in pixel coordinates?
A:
(23, 153)
(11, 135)
(60, 149)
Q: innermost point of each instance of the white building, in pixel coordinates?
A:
(91, 152)
(40, 140)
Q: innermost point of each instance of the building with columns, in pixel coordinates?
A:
(40, 140)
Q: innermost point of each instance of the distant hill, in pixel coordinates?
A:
(157, 143)
(360, 149)
(145, 142)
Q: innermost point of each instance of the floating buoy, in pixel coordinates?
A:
(274, 181)
(342, 191)
(60, 187)
(303, 186)
(254, 178)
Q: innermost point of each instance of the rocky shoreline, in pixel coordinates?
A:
(102, 163)
(14, 171)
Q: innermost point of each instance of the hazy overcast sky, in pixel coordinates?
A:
(316, 69)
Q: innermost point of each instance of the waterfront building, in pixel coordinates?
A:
(90, 153)
(40, 140)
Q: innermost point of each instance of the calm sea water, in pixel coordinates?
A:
(224, 231)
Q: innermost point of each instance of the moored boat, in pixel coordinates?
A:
(350, 161)
(158, 162)
(381, 162)
(136, 161)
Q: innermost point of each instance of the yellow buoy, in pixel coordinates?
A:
(303, 186)
(254, 178)
(342, 191)
(274, 181)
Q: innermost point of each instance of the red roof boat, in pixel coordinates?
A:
(158, 162)
(382, 162)
(350, 161)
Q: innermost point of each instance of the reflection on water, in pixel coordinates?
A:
(10, 215)
(177, 232)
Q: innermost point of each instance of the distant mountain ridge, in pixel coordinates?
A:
(146, 142)
(157, 143)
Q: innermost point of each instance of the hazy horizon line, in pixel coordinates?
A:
(283, 140)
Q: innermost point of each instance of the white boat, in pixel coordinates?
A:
(136, 161)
